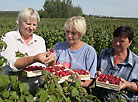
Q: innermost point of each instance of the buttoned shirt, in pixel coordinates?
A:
(15, 43)
(128, 69)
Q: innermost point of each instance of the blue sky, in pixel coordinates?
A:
(114, 8)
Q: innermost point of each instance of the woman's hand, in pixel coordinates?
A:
(51, 59)
(97, 74)
(129, 85)
(125, 84)
(45, 58)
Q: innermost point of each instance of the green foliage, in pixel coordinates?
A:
(117, 98)
(99, 35)
(8, 13)
(99, 31)
(12, 90)
(71, 91)
(19, 54)
(3, 46)
(59, 9)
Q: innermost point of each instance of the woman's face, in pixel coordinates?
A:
(121, 43)
(27, 28)
(73, 37)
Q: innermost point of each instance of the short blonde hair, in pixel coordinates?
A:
(77, 22)
(27, 14)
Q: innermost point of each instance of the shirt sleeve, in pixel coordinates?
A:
(43, 45)
(100, 55)
(57, 51)
(91, 62)
(9, 54)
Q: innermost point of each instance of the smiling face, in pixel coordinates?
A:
(121, 43)
(26, 28)
(73, 37)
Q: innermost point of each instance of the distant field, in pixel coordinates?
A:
(99, 30)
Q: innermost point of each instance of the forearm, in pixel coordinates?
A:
(23, 62)
(86, 83)
(133, 86)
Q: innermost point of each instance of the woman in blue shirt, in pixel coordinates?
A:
(120, 61)
(74, 53)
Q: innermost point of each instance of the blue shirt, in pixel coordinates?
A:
(84, 58)
(128, 69)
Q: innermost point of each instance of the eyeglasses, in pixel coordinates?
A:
(116, 40)
(71, 32)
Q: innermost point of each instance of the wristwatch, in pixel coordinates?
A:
(131, 85)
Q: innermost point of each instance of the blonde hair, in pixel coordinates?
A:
(77, 22)
(27, 14)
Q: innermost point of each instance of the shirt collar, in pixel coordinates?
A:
(18, 37)
(128, 60)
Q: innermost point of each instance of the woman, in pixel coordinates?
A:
(23, 40)
(74, 53)
(120, 61)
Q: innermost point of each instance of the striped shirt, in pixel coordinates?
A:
(128, 70)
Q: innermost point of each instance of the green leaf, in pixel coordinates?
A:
(54, 78)
(52, 86)
(65, 84)
(16, 86)
(60, 89)
(13, 78)
(5, 78)
(1, 100)
(3, 44)
(1, 61)
(70, 88)
(75, 92)
(113, 100)
(7, 100)
(41, 95)
(68, 99)
(53, 99)
(4, 81)
(21, 98)
(24, 87)
(5, 94)
(121, 100)
(29, 98)
(19, 54)
(13, 95)
(26, 54)
(77, 82)
(1, 69)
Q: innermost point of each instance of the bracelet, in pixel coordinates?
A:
(131, 86)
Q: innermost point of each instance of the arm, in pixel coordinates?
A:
(129, 85)
(91, 66)
(23, 62)
(86, 83)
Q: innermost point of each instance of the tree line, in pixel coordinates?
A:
(8, 13)
(59, 9)
(52, 9)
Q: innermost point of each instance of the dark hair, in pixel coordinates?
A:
(124, 31)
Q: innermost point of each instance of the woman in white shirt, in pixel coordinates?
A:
(25, 41)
